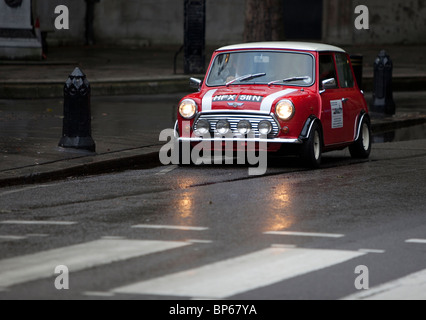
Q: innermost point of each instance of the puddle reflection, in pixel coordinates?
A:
(403, 134)
(281, 208)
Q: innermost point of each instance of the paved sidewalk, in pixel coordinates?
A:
(150, 70)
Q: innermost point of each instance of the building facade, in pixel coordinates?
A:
(160, 22)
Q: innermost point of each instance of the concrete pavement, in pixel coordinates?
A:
(123, 131)
(151, 70)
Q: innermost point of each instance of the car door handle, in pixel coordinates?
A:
(345, 99)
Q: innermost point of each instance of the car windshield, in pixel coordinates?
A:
(262, 67)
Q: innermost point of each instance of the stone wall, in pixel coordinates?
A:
(160, 22)
(143, 22)
(391, 22)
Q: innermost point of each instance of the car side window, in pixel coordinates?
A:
(346, 78)
(327, 69)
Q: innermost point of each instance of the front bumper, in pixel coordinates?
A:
(247, 140)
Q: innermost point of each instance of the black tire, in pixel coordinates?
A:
(361, 148)
(311, 152)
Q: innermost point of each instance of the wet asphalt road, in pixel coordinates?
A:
(361, 213)
(211, 231)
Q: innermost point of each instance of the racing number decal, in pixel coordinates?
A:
(336, 114)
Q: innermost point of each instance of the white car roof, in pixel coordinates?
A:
(305, 46)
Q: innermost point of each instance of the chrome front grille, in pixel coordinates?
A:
(234, 119)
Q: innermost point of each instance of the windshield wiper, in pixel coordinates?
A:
(290, 80)
(247, 77)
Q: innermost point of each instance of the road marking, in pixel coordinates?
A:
(291, 246)
(167, 170)
(98, 294)
(113, 238)
(184, 228)
(305, 234)
(416, 241)
(12, 238)
(411, 287)
(77, 257)
(33, 222)
(26, 189)
(248, 272)
(199, 241)
(371, 251)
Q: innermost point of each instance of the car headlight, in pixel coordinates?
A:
(188, 108)
(285, 110)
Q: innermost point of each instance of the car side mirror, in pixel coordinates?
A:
(329, 84)
(195, 83)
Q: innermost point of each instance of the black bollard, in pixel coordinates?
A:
(382, 93)
(77, 123)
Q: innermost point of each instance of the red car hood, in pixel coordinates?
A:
(248, 99)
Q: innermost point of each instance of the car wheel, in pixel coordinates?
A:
(361, 148)
(311, 153)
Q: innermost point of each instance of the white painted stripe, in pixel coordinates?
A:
(37, 235)
(33, 222)
(291, 246)
(411, 287)
(199, 241)
(26, 189)
(371, 251)
(184, 228)
(208, 100)
(305, 234)
(98, 294)
(113, 238)
(230, 277)
(78, 257)
(166, 170)
(415, 241)
(269, 100)
(12, 237)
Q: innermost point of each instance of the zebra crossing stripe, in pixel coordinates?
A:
(411, 287)
(77, 257)
(227, 278)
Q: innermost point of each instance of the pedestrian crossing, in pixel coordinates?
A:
(237, 275)
(411, 287)
(79, 257)
(216, 280)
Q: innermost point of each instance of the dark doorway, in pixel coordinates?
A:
(303, 19)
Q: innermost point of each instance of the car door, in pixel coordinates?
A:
(333, 115)
(350, 95)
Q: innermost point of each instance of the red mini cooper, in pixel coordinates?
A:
(295, 97)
